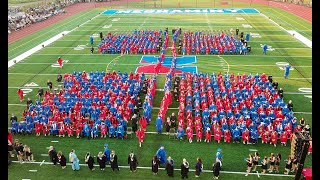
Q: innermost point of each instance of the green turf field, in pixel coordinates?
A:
(37, 68)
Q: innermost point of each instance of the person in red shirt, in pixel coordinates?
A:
(20, 93)
(140, 135)
(59, 61)
(227, 135)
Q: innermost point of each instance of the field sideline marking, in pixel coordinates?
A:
(301, 38)
(127, 167)
(35, 49)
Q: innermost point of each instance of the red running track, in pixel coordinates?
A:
(299, 10)
(70, 10)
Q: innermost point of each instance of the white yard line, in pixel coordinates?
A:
(297, 35)
(127, 167)
(35, 49)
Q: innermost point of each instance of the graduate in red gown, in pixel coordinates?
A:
(140, 135)
(265, 137)
(208, 135)
(283, 138)
(38, 127)
(245, 136)
(103, 130)
(59, 61)
(227, 135)
(189, 133)
(61, 129)
(199, 134)
(143, 123)
(217, 134)
(274, 138)
(20, 94)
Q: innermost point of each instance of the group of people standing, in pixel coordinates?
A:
(110, 157)
(273, 161)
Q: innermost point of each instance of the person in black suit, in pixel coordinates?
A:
(173, 120)
(134, 121)
(62, 160)
(40, 93)
(49, 84)
(53, 155)
(216, 169)
(101, 159)
(155, 165)
(184, 169)
(90, 161)
(114, 161)
(132, 161)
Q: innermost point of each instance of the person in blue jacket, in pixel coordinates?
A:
(161, 154)
(159, 125)
(106, 153)
(236, 135)
(180, 133)
(286, 71)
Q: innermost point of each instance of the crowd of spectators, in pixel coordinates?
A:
(18, 18)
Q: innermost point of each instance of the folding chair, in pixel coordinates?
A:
(172, 132)
(129, 131)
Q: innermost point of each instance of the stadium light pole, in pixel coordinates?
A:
(196, 3)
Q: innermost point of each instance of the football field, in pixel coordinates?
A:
(268, 26)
